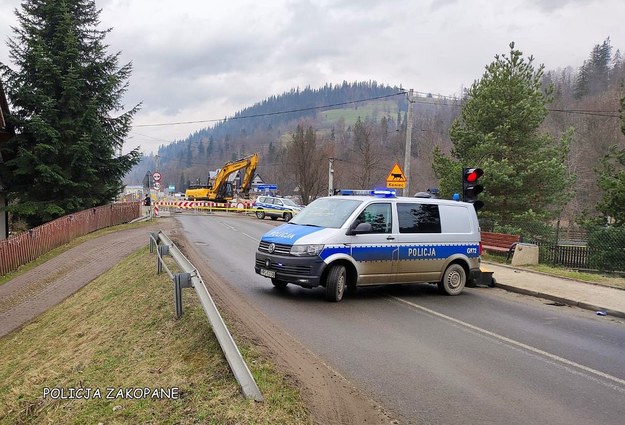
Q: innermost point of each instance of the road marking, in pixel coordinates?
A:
(228, 226)
(236, 230)
(515, 343)
(251, 237)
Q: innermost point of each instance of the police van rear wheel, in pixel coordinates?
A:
(454, 280)
(260, 215)
(335, 283)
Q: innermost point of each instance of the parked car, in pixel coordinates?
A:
(274, 207)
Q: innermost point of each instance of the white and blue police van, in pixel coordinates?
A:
(345, 242)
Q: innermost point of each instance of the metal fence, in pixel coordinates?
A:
(25, 247)
(599, 248)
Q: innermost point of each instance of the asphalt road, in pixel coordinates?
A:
(484, 357)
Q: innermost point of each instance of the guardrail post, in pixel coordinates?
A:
(162, 251)
(181, 280)
(153, 241)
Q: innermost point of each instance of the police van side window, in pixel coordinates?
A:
(418, 218)
(379, 216)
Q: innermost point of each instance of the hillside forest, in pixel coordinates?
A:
(362, 125)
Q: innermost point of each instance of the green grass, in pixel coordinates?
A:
(119, 332)
(370, 109)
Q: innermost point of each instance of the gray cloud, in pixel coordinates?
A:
(198, 60)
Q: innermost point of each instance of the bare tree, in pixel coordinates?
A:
(368, 153)
(306, 163)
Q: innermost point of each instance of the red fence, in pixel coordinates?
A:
(27, 246)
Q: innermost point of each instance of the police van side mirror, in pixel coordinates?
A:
(359, 229)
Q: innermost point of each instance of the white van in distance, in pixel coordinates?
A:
(345, 242)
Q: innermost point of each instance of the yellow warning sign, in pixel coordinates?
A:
(396, 178)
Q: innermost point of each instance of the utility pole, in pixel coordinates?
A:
(408, 154)
(331, 176)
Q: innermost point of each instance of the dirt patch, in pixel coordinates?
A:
(331, 398)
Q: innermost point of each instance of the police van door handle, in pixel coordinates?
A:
(390, 238)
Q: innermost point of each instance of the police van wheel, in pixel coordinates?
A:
(260, 215)
(280, 284)
(454, 280)
(335, 283)
(288, 216)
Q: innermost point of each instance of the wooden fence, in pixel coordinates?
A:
(25, 247)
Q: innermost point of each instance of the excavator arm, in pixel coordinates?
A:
(218, 191)
(249, 173)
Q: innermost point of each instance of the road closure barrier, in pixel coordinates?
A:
(239, 207)
(206, 205)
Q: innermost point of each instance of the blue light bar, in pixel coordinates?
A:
(383, 193)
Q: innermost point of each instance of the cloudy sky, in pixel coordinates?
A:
(202, 60)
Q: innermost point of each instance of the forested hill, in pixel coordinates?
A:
(260, 127)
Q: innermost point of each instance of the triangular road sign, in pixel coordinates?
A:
(396, 175)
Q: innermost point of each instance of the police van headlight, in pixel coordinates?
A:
(306, 250)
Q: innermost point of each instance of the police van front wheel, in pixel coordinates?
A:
(454, 280)
(335, 283)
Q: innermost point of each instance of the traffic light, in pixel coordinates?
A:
(470, 186)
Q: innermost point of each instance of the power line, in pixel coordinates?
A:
(590, 112)
(267, 114)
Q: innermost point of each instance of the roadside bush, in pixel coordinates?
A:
(607, 248)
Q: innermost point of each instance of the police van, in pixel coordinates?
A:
(345, 242)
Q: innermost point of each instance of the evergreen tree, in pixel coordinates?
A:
(593, 76)
(498, 130)
(611, 179)
(64, 94)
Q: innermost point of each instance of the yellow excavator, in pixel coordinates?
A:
(221, 189)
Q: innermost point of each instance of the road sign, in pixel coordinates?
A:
(156, 176)
(157, 186)
(396, 178)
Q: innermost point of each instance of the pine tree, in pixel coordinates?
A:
(64, 95)
(611, 180)
(498, 130)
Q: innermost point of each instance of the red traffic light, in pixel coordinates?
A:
(472, 174)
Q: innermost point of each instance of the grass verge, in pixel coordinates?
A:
(118, 333)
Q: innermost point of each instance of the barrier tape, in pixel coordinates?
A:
(213, 206)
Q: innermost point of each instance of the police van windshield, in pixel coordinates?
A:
(327, 212)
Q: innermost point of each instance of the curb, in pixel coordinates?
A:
(562, 300)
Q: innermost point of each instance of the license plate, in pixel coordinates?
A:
(268, 273)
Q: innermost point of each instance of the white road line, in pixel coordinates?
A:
(515, 343)
(228, 226)
(237, 230)
(251, 237)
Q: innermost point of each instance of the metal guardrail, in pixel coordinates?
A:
(190, 277)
